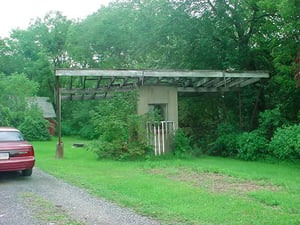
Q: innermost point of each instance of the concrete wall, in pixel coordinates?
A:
(151, 95)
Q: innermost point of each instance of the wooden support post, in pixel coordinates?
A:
(255, 111)
(240, 109)
(59, 146)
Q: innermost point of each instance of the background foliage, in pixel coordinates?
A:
(15, 110)
(232, 35)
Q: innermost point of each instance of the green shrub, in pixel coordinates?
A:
(269, 121)
(137, 150)
(4, 116)
(137, 132)
(66, 129)
(285, 144)
(105, 149)
(87, 131)
(181, 143)
(226, 128)
(120, 140)
(225, 144)
(118, 150)
(122, 131)
(35, 127)
(251, 145)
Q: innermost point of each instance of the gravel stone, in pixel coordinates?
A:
(73, 201)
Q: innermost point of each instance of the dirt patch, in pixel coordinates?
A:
(216, 182)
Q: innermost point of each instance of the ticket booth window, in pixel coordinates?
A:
(160, 111)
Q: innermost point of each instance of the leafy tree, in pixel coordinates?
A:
(282, 35)
(101, 39)
(15, 89)
(230, 28)
(135, 34)
(40, 49)
(8, 64)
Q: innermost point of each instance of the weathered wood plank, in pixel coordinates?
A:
(204, 89)
(159, 74)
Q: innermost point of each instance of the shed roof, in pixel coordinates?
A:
(44, 104)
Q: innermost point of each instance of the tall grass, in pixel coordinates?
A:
(171, 191)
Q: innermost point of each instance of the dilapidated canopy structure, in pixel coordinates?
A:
(95, 84)
(156, 88)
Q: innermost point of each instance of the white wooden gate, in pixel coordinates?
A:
(160, 135)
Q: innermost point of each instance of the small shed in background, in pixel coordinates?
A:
(47, 109)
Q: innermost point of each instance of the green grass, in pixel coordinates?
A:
(172, 191)
(45, 211)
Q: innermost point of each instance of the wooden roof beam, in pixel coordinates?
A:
(249, 81)
(201, 82)
(204, 89)
(162, 73)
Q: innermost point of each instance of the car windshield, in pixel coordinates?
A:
(11, 136)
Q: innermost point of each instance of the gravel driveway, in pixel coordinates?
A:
(43, 199)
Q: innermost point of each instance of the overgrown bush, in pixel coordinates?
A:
(122, 132)
(285, 144)
(137, 132)
(35, 127)
(118, 150)
(181, 144)
(226, 128)
(269, 121)
(87, 131)
(4, 116)
(251, 145)
(66, 129)
(78, 122)
(225, 144)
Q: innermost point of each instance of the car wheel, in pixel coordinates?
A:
(27, 172)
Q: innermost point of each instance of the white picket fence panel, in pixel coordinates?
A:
(160, 135)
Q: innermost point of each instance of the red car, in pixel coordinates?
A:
(16, 154)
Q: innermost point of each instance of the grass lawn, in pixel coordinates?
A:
(207, 190)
